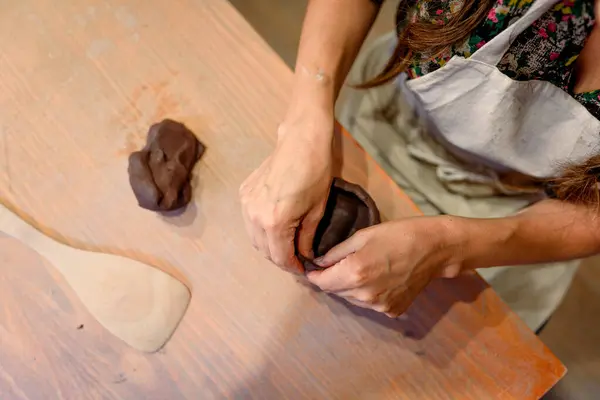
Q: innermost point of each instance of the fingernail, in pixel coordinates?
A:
(319, 261)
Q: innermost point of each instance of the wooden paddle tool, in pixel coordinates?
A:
(139, 304)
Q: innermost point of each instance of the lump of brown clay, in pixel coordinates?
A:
(349, 209)
(160, 173)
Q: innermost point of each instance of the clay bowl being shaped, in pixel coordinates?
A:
(349, 209)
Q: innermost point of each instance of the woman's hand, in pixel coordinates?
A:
(385, 267)
(284, 199)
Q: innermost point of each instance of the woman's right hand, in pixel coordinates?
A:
(284, 199)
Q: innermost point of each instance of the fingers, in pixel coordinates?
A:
(262, 243)
(258, 236)
(277, 244)
(342, 251)
(307, 230)
(385, 302)
(361, 295)
(255, 232)
(449, 271)
(281, 247)
(337, 278)
(357, 303)
(306, 237)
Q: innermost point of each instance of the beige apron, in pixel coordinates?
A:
(445, 138)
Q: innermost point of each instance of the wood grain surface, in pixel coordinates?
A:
(80, 83)
(136, 302)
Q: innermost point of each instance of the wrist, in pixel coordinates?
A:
(450, 239)
(480, 243)
(442, 238)
(314, 88)
(309, 116)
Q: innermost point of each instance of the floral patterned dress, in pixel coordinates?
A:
(547, 50)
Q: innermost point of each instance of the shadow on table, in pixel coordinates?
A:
(368, 353)
(456, 306)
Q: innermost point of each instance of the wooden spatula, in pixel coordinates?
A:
(138, 303)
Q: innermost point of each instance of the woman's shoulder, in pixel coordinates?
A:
(547, 50)
(439, 12)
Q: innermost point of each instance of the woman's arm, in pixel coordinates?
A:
(278, 211)
(548, 231)
(386, 266)
(332, 34)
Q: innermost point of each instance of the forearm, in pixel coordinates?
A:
(332, 35)
(545, 232)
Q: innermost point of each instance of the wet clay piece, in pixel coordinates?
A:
(160, 173)
(349, 209)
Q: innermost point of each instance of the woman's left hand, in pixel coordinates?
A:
(385, 267)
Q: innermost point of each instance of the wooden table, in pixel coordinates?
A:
(81, 81)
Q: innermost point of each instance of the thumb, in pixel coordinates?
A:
(305, 238)
(306, 232)
(341, 251)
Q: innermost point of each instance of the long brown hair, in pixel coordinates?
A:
(426, 38)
